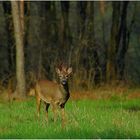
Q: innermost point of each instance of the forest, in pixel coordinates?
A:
(99, 40)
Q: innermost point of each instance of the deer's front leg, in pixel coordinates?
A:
(54, 107)
(63, 116)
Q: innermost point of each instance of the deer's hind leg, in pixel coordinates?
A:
(38, 102)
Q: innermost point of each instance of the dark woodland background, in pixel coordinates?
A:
(100, 40)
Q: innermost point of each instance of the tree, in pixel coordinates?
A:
(92, 51)
(81, 21)
(21, 11)
(7, 43)
(64, 36)
(113, 47)
(20, 74)
(123, 32)
(102, 5)
(81, 8)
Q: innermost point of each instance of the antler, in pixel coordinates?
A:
(63, 66)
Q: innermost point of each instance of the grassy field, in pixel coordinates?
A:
(85, 119)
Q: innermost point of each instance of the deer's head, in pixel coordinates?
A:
(63, 73)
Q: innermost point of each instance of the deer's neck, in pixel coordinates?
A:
(66, 89)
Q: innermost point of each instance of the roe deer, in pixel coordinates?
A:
(53, 93)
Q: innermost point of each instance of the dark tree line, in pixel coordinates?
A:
(65, 31)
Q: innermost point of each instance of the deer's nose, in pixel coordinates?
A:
(63, 81)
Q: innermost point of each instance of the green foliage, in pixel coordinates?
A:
(85, 119)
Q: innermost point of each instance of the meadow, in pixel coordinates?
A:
(85, 119)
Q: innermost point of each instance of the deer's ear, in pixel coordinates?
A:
(69, 70)
(57, 71)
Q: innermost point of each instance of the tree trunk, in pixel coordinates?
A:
(102, 11)
(81, 25)
(111, 62)
(64, 37)
(37, 37)
(91, 41)
(20, 74)
(81, 6)
(22, 16)
(124, 45)
(9, 34)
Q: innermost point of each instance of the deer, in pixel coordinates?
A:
(54, 94)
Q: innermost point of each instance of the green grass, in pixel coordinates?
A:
(85, 119)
